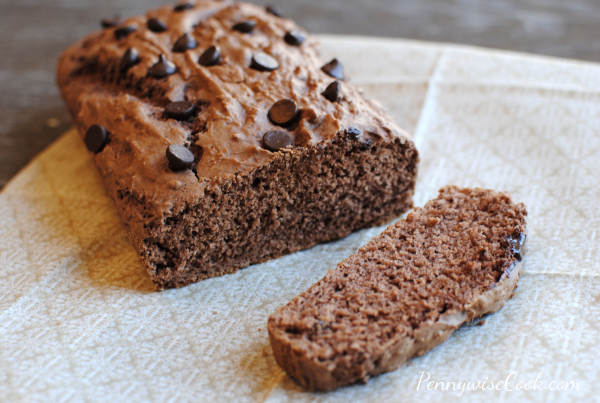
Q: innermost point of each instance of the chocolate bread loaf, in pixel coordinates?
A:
(406, 291)
(225, 141)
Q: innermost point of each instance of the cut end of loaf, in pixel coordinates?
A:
(405, 292)
(304, 197)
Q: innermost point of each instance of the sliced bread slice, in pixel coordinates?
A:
(406, 291)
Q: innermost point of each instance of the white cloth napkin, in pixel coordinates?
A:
(79, 320)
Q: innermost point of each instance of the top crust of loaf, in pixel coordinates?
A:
(405, 291)
(233, 100)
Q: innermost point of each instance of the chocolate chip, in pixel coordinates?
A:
(179, 157)
(366, 144)
(283, 112)
(275, 140)
(274, 10)
(518, 256)
(129, 59)
(180, 110)
(111, 22)
(162, 68)
(513, 243)
(184, 6)
(334, 69)
(156, 25)
(211, 57)
(263, 62)
(245, 27)
(516, 244)
(123, 32)
(352, 133)
(332, 92)
(184, 43)
(294, 38)
(96, 138)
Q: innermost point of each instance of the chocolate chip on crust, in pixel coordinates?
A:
(184, 43)
(181, 110)
(245, 27)
(263, 62)
(275, 140)
(210, 57)
(96, 138)
(156, 25)
(179, 157)
(129, 59)
(162, 68)
(332, 92)
(294, 38)
(283, 112)
(276, 11)
(111, 22)
(123, 32)
(183, 6)
(334, 69)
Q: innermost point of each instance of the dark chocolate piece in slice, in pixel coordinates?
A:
(404, 292)
(366, 144)
(352, 133)
(518, 243)
(96, 138)
(334, 69)
(179, 157)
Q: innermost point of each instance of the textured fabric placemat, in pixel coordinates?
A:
(79, 320)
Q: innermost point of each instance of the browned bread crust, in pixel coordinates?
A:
(245, 198)
(406, 291)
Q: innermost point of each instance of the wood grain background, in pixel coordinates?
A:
(34, 32)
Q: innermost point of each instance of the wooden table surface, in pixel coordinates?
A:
(34, 32)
